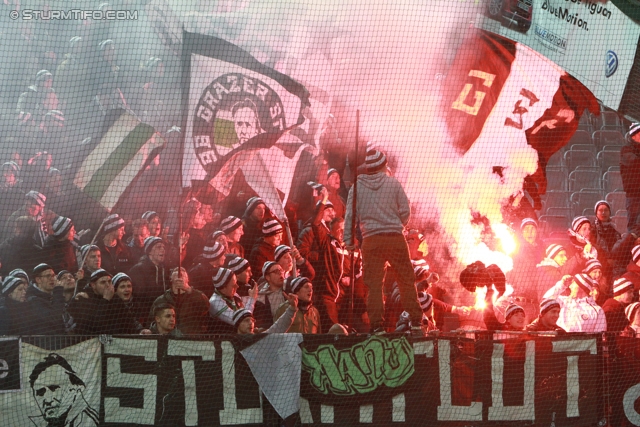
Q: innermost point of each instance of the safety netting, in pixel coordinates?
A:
(249, 212)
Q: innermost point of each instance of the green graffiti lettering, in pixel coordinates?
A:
(361, 368)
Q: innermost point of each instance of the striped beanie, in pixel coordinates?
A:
(120, 277)
(635, 254)
(61, 226)
(240, 315)
(425, 299)
(150, 242)
(18, 272)
(280, 252)
(98, 274)
(61, 274)
(511, 310)
(39, 198)
(331, 171)
(553, 250)
(85, 249)
(253, 203)
(11, 165)
(293, 285)
(113, 222)
(591, 265)
(54, 115)
(238, 265)
(419, 270)
(41, 268)
(265, 268)
(42, 75)
(548, 304)
(271, 227)
(149, 215)
(601, 202)
(633, 129)
(10, 283)
(622, 285)
(230, 224)
(528, 221)
(631, 310)
(375, 160)
(585, 282)
(578, 222)
(221, 278)
(213, 237)
(213, 252)
(315, 186)
(327, 204)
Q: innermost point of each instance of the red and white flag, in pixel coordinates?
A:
(504, 96)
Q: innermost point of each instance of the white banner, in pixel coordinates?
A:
(59, 387)
(568, 32)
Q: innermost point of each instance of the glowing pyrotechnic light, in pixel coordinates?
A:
(480, 303)
(481, 294)
(507, 241)
(471, 247)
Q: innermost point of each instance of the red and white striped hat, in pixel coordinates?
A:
(621, 285)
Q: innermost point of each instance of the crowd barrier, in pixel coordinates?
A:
(293, 379)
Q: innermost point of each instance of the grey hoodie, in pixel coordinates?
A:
(383, 206)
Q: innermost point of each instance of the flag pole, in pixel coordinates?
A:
(294, 271)
(93, 241)
(352, 279)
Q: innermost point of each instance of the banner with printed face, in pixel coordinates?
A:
(240, 115)
(567, 32)
(59, 387)
(568, 380)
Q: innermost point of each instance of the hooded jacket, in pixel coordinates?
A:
(95, 315)
(577, 314)
(45, 312)
(149, 281)
(305, 321)
(267, 305)
(191, 310)
(382, 206)
(59, 254)
(630, 168)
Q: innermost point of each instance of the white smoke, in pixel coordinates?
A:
(387, 59)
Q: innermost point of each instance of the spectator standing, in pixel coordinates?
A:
(630, 172)
(244, 275)
(233, 230)
(164, 322)
(548, 318)
(59, 251)
(150, 275)
(12, 306)
(19, 250)
(382, 212)
(285, 255)
(264, 249)
(307, 318)
(578, 311)
(116, 257)
(191, 306)
(333, 187)
(614, 307)
(201, 274)
(225, 301)
(270, 295)
(254, 216)
(45, 310)
(123, 287)
(633, 269)
(139, 233)
(244, 322)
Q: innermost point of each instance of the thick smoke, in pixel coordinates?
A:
(388, 60)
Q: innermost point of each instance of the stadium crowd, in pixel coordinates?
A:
(237, 275)
(229, 272)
